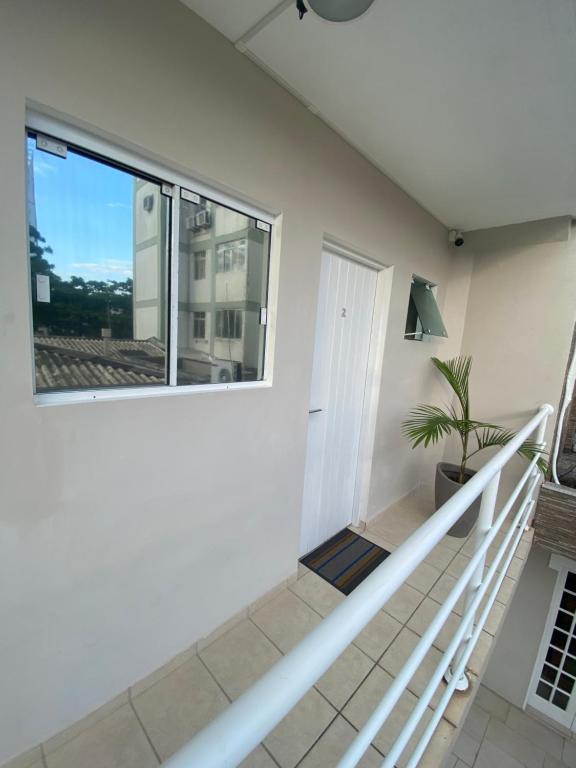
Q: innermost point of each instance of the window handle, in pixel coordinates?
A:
(316, 410)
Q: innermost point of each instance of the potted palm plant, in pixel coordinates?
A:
(427, 424)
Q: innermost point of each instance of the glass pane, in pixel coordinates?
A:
(222, 285)
(98, 262)
(548, 674)
(564, 621)
(428, 312)
(572, 647)
(544, 690)
(571, 581)
(554, 657)
(570, 665)
(560, 700)
(559, 639)
(566, 683)
(568, 602)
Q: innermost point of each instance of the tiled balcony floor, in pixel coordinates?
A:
(157, 716)
(497, 735)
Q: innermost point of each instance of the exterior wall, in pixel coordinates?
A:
(519, 326)
(519, 322)
(512, 661)
(128, 529)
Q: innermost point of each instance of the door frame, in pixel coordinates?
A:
(374, 367)
(562, 565)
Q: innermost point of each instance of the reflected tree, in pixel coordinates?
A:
(78, 307)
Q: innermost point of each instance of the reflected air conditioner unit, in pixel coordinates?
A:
(202, 219)
(223, 372)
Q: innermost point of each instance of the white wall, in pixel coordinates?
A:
(519, 324)
(510, 668)
(130, 529)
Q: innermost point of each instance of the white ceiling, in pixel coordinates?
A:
(469, 105)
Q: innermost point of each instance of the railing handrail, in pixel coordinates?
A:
(228, 739)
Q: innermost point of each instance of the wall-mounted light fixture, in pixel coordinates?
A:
(334, 10)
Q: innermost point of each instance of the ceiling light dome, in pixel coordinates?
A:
(339, 10)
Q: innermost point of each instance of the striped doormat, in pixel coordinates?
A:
(345, 560)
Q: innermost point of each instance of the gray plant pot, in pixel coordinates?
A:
(446, 486)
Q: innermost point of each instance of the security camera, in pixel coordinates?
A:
(456, 237)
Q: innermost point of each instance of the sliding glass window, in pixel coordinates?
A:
(222, 287)
(103, 258)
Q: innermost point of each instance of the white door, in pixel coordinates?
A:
(553, 685)
(343, 330)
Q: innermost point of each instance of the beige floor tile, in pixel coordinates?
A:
(438, 746)
(523, 549)
(32, 758)
(440, 557)
(476, 722)
(403, 603)
(451, 542)
(344, 676)
(424, 615)
(11, 764)
(466, 748)
(536, 732)
(317, 593)
(368, 696)
(178, 706)
(399, 652)
(569, 754)
(86, 722)
(424, 577)
(379, 539)
(552, 762)
(441, 590)
(457, 565)
(506, 590)
(333, 744)
(459, 704)
(495, 618)
(240, 657)
(164, 670)
(422, 619)
(491, 756)
(377, 635)
(117, 741)
(286, 620)
(515, 568)
(294, 736)
(491, 703)
(302, 571)
(514, 744)
(258, 759)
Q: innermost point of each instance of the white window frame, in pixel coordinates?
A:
(91, 142)
(562, 565)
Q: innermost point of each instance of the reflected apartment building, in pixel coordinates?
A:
(222, 278)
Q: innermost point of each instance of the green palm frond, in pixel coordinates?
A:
(529, 449)
(457, 374)
(491, 436)
(427, 424)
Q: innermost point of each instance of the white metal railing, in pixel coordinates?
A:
(226, 741)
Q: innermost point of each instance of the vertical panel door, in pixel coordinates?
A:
(343, 330)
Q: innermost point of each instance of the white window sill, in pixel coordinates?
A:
(133, 393)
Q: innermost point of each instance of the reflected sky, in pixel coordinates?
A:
(80, 201)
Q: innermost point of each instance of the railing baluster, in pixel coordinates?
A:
(237, 730)
(485, 520)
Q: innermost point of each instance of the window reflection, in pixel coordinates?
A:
(223, 270)
(98, 263)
